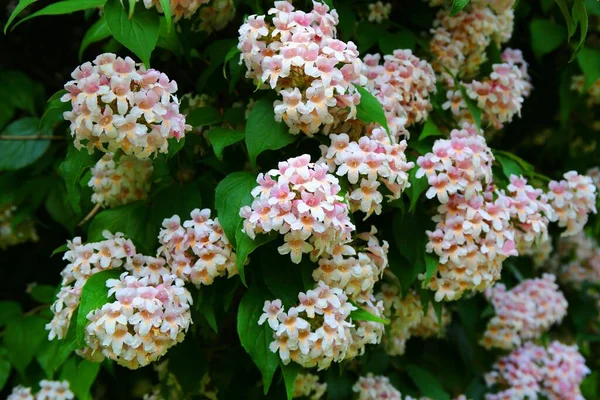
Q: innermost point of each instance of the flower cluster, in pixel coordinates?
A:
(472, 235)
(402, 85)
(353, 271)
(408, 318)
(151, 314)
(379, 12)
(298, 55)
(308, 385)
(118, 105)
(523, 313)
(594, 174)
(121, 180)
(371, 160)
(12, 233)
(572, 198)
(216, 15)
(592, 93)
(501, 95)
(300, 200)
(531, 371)
(577, 260)
(179, 8)
(372, 387)
(197, 250)
(459, 43)
(319, 330)
(49, 390)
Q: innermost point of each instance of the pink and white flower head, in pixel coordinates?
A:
(179, 8)
(523, 313)
(49, 390)
(308, 385)
(371, 387)
(20, 393)
(297, 54)
(120, 181)
(118, 105)
(379, 12)
(531, 371)
(408, 319)
(367, 164)
(301, 201)
(576, 260)
(197, 250)
(572, 198)
(402, 85)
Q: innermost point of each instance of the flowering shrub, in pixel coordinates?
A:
(324, 199)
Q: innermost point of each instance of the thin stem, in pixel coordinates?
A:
(37, 137)
(91, 214)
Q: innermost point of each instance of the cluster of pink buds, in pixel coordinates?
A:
(197, 250)
(408, 318)
(572, 198)
(523, 313)
(372, 387)
(120, 106)
(308, 385)
(298, 55)
(354, 271)
(301, 201)
(402, 85)
(120, 180)
(179, 8)
(366, 164)
(531, 371)
(49, 390)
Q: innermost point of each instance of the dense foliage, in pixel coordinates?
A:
(225, 199)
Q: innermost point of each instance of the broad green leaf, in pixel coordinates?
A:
(94, 295)
(509, 166)
(245, 246)
(282, 277)
(9, 310)
(66, 346)
(22, 339)
(255, 339)
(72, 168)
(230, 54)
(43, 293)
(589, 62)
(166, 6)
(417, 187)
(139, 34)
(580, 14)
(593, 7)
(59, 249)
(97, 32)
(203, 116)
(370, 110)
(20, 91)
(546, 36)
(290, 372)
(233, 193)
(130, 219)
(430, 129)
(426, 382)
(363, 315)
(431, 266)
(564, 9)
(63, 7)
(4, 372)
(188, 361)
(169, 39)
(475, 111)
(405, 39)
(45, 356)
(263, 132)
(81, 375)
(163, 206)
(206, 306)
(19, 7)
(59, 207)
(590, 387)
(457, 6)
(222, 137)
(17, 154)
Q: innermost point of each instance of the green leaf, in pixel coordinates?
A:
(139, 34)
(203, 116)
(63, 7)
(59, 207)
(60, 249)
(45, 356)
(388, 42)
(509, 166)
(430, 129)
(4, 372)
(263, 132)
(19, 91)
(593, 7)
(282, 277)
(457, 6)
(130, 219)
(426, 382)
(580, 14)
(231, 194)
(417, 187)
(370, 109)
(431, 266)
(9, 310)
(564, 9)
(22, 339)
(255, 339)
(166, 6)
(97, 32)
(20, 7)
(230, 54)
(94, 295)
(66, 346)
(589, 62)
(363, 315)
(475, 111)
(290, 372)
(245, 246)
(43, 293)
(81, 375)
(546, 36)
(17, 154)
(169, 39)
(163, 205)
(222, 137)
(589, 386)
(72, 168)
(206, 306)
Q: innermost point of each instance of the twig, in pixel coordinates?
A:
(36, 309)
(90, 215)
(25, 137)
